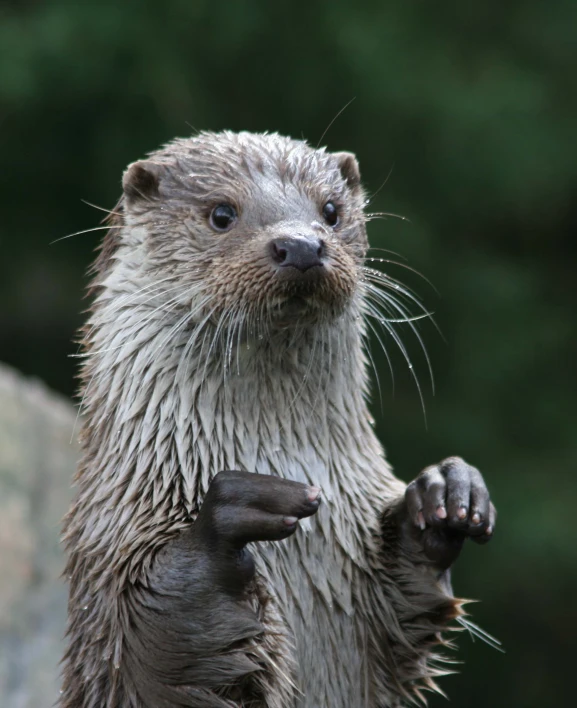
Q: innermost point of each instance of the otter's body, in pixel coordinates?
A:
(210, 350)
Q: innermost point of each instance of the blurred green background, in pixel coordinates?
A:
(472, 109)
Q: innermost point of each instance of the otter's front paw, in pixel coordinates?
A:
(241, 507)
(244, 507)
(447, 503)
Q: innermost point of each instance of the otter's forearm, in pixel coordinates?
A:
(424, 584)
(190, 627)
(422, 600)
(422, 534)
(194, 628)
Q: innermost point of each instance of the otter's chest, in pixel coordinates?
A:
(314, 580)
(317, 575)
(314, 576)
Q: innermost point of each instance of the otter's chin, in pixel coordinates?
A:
(293, 310)
(294, 307)
(298, 310)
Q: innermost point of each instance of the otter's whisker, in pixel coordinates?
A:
(392, 306)
(232, 318)
(165, 308)
(127, 341)
(416, 318)
(201, 329)
(374, 194)
(125, 299)
(387, 357)
(172, 331)
(228, 343)
(88, 386)
(401, 346)
(85, 231)
(373, 271)
(390, 283)
(385, 250)
(312, 354)
(321, 335)
(216, 333)
(343, 109)
(149, 316)
(404, 352)
(399, 308)
(384, 215)
(130, 298)
(172, 303)
(394, 299)
(108, 211)
(330, 336)
(373, 312)
(192, 340)
(240, 325)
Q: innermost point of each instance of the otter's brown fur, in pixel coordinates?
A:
(194, 365)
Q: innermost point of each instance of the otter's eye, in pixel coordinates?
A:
(331, 214)
(222, 216)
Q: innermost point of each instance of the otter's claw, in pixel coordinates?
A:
(449, 502)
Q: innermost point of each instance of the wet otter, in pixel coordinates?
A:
(225, 386)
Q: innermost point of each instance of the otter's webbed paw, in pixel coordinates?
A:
(447, 503)
(242, 507)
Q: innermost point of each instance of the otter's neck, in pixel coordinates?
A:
(196, 401)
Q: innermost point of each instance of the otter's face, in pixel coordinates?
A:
(258, 224)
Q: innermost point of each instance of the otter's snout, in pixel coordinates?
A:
(299, 252)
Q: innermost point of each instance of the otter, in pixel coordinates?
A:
(237, 536)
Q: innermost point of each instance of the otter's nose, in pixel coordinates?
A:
(300, 253)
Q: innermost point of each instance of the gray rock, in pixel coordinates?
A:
(37, 462)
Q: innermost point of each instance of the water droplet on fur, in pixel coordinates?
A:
(85, 607)
(261, 336)
(410, 366)
(116, 666)
(396, 286)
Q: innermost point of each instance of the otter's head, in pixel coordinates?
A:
(255, 224)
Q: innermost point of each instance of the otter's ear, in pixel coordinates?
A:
(349, 168)
(141, 181)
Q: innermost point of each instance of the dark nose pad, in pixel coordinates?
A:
(300, 253)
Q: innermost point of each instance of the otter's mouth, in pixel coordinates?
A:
(295, 308)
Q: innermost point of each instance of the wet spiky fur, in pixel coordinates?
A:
(187, 373)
